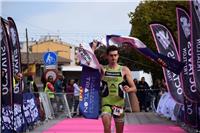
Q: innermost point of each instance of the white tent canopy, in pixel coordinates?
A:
(72, 68)
(139, 74)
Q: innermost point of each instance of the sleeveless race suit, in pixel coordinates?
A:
(111, 90)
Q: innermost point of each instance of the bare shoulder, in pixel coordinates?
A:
(125, 69)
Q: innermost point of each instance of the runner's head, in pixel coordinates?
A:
(112, 54)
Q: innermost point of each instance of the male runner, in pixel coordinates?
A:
(113, 89)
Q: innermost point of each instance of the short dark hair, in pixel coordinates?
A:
(112, 48)
(76, 81)
(50, 77)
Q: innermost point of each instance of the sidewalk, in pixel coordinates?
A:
(146, 118)
(47, 124)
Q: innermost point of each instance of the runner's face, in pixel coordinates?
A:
(113, 57)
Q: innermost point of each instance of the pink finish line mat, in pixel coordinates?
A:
(81, 125)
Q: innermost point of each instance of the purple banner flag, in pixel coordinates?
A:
(90, 83)
(169, 63)
(191, 113)
(166, 46)
(185, 52)
(195, 39)
(16, 61)
(16, 58)
(6, 81)
(89, 93)
(190, 91)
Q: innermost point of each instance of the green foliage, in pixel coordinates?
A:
(148, 12)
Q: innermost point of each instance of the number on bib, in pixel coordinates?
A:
(117, 110)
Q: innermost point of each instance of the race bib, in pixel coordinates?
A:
(117, 110)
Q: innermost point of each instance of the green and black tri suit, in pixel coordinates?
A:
(111, 89)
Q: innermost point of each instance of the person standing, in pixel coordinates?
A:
(76, 96)
(136, 82)
(59, 89)
(17, 78)
(50, 90)
(70, 93)
(157, 87)
(144, 97)
(113, 89)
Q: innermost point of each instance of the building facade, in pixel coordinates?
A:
(52, 44)
(36, 50)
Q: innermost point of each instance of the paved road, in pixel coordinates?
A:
(146, 118)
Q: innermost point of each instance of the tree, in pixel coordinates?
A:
(148, 12)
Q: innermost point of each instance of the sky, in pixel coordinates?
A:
(74, 21)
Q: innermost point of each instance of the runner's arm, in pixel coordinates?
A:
(131, 87)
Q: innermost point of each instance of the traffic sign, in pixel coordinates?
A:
(51, 72)
(50, 58)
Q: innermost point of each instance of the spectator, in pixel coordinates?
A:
(70, 93)
(50, 90)
(59, 91)
(29, 84)
(18, 77)
(144, 99)
(163, 87)
(76, 95)
(59, 84)
(157, 88)
(43, 80)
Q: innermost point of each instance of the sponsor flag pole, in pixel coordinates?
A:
(191, 93)
(90, 83)
(7, 123)
(195, 40)
(166, 45)
(16, 61)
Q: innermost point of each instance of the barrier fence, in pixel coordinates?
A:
(53, 107)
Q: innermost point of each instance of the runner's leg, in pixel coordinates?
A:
(119, 123)
(106, 119)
